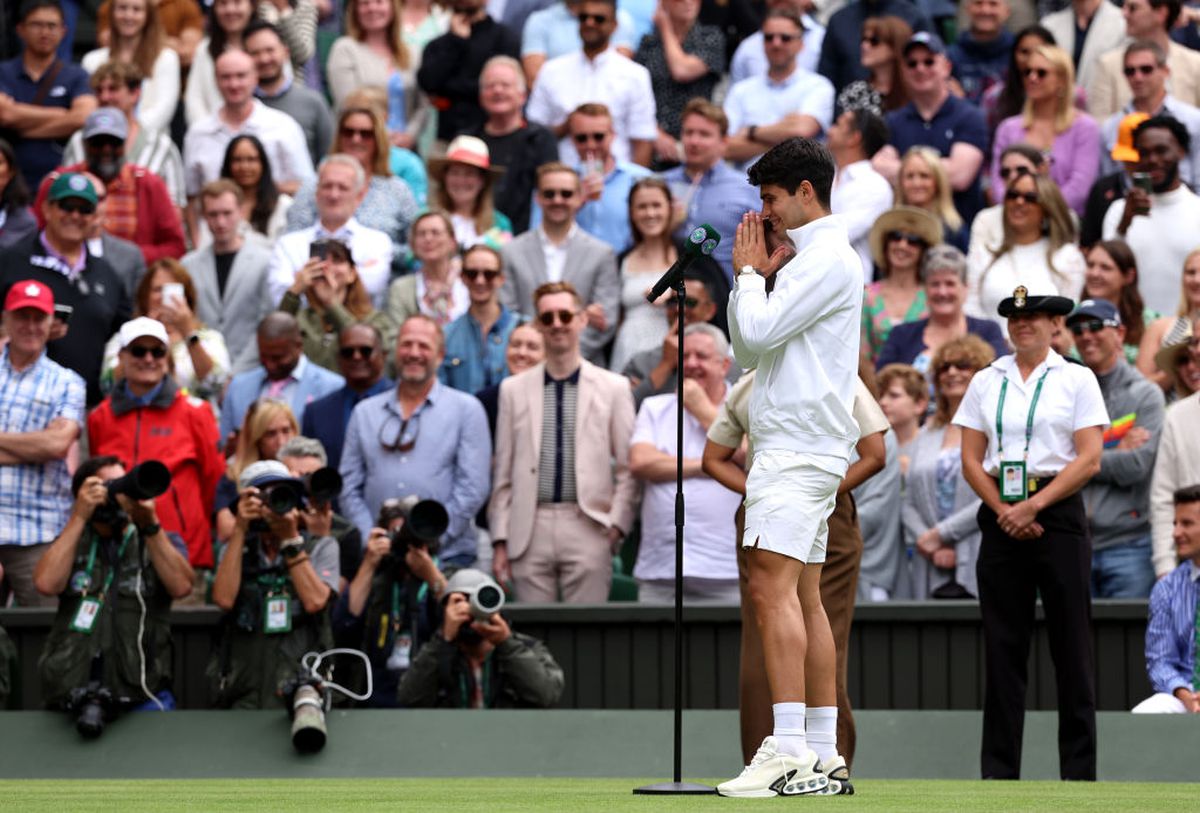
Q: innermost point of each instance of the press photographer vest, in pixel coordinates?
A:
(66, 659)
(248, 664)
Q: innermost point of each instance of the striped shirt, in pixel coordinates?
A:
(153, 150)
(556, 466)
(35, 498)
(1171, 630)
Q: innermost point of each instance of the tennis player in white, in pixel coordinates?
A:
(803, 339)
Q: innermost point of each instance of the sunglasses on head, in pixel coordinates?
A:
(1024, 197)
(908, 237)
(1040, 73)
(583, 138)
(547, 318)
(76, 206)
(353, 351)
(784, 38)
(140, 350)
(472, 274)
(871, 39)
(551, 194)
(689, 302)
(364, 133)
(1144, 70)
(962, 364)
(914, 63)
(598, 19)
(1088, 326)
(1014, 172)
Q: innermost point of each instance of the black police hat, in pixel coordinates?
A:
(1022, 302)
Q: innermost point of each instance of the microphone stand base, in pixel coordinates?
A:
(674, 789)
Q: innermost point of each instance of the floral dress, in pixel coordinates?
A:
(877, 323)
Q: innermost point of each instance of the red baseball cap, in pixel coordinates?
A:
(29, 293)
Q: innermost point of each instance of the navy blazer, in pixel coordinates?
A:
(906, 341)
(325, 419)
(245, 389)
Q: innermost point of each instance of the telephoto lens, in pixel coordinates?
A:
(486, 601)
(308, 720)
(281, 498)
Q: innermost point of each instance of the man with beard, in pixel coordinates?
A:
(275, 89)
(1150, 222)
(138, 206)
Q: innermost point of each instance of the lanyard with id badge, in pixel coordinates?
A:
(88, 612)
(277, 608)
(1014, 482)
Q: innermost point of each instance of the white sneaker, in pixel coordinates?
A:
(771, 773)
(839, 777)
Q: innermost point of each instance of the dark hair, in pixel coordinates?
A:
(266, 195)
(896, 32)
(1027, 151)
(258, 26)
(1130, 303)
(486, 249)
(1012, 98)
(1147, 46)
(16, 193)
(366, 326)
(872, 128)
(218, 38)
(30, 6)
(1187, 495)
(649, 182)
(1166, 123)
(791, 162)
(89, 467)
(1173, 8)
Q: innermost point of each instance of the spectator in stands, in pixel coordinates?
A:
(1038, 249)
(642, 327)
(923, 183)
(1176, 466)
(122, 256)
(904, 399)
(403, 163)
(1086, 29)
(750, 59)
(336, 299)
(111, 594)
(553, 31)
(421, 438)
(1170, 330)
(476, 341)
(451, 64)
(465, 179)
(1177, 361)
(41, 414)
(296, 22)
(136, 36)
(57, 257)
(269, 424)
(881, 55)
(227, 22)
(119, 85)
(42, 98)
(710, 562)
(597, 73)
(264, 208)
(182, 24)
(944, 276)
(709, 190)
(1118, 497)
(361, 361)
(282, 581)
(899, 240)
(526, 348)
(147, 417)
(987, 229)
(520, 671)
(561, 506)
(199, 358)
(1007, 98)
(939, 507)
(783, 102)
(1146, 73)
(1171, 630)
(374, 53)
(424, 21)
(389, 205)
(284, 373)
(230, 274)
(435, 288)
(606, 182)
(980, 54)
(139, 207)
(860, 194)
(1112, 275)
(540, 256)
(341, 188)
(17, 222)
(515, 145)
(1151, 20)
(883, 568)
(207, 138)
(685, 59)
(265, 45)
(1149, 222)
(1051, 123)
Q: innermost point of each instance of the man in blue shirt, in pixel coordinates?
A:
(476, 341)
(1173, 631)
(43, 100)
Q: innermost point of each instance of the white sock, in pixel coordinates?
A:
(789, 728)
(820, 724)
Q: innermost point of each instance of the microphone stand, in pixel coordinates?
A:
(678, 787)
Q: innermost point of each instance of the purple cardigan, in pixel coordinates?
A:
(1074, 158)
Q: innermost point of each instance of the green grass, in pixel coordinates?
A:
(496, 795)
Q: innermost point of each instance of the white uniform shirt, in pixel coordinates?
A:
(1070, 401)
(860, 195)
(287, 149)
(371, 250)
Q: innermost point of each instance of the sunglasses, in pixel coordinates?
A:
(358, 132)
(472, 274)
(402, 442)
(913, 64)
(689, 303)
(963, 366)
(1014, 172)
(1144, 70)
(139, 351)
(76, 206)
(583, 138)
(354, 351)
(551, 194)
(548, 318)
(784, 38)
(871, 39)
(104, 143)
(1040, 73)
(598, 19)
(1089, 326)
(908, 237)
(1024, 197)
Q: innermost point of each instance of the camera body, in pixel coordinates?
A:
(94, 704)
(483, 594)
(145, 481)
(424, 523)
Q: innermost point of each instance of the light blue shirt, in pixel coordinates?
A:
(719, 198)
(608, 218)
(474, 362)
(751, 60)
(450, 461)
(760, 100)
(554, 31)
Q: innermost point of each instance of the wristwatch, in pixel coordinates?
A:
(747, 271)
(292, 547)
(150, 530)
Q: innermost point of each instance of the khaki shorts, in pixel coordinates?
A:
(788, 503)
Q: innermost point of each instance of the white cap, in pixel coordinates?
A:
(143, 326)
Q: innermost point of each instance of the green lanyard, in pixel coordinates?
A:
(1037, 392)
(112, 571)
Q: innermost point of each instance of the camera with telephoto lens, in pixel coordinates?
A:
(424, 523)
(145, 481)
(306, 697)
(323, 486)
(483, 594)
(94, 705)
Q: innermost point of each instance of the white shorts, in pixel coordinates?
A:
(788, 503)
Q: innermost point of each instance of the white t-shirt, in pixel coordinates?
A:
(1161, 242)
(990, 281)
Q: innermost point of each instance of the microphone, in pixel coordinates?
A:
(701, 242)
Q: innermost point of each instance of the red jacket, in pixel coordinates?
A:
(158, 233)
(181, 432)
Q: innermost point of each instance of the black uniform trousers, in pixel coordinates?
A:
(1012, 573)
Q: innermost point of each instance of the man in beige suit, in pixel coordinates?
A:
(562, 496)
(1103, 27)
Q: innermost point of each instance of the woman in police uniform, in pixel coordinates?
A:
(1032, 427)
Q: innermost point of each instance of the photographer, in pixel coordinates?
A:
(275, 583)
(305, 458)
(391, 607)
(479, 663)
(115, 572)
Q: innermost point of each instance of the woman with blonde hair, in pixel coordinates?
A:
(922, 182)
(1050, 122)
(136, 36)
(1173, 332)
(881, 53)
(267, 426)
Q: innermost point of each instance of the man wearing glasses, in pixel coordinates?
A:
(564, 495)
(421, 438)
(541, 255)
(476, 341)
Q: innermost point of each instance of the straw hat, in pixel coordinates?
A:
(907, 219)
(467, 150)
